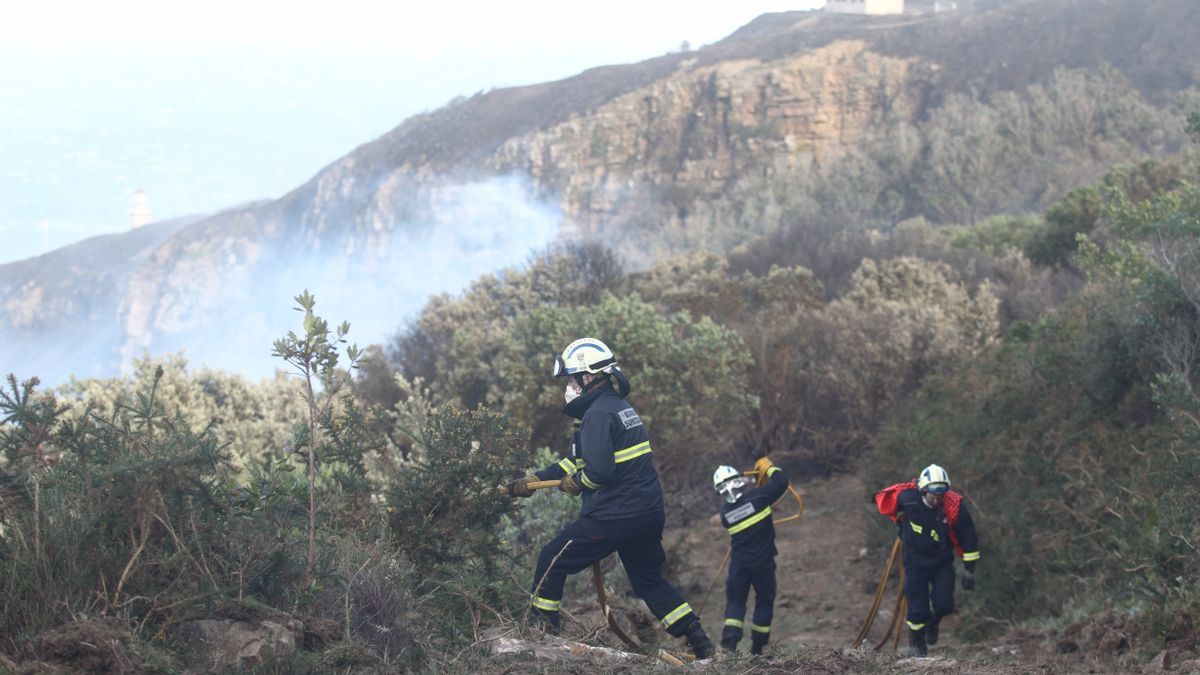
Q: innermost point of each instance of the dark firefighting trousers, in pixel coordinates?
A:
(737, 589)
(638, 542)
(930, 593)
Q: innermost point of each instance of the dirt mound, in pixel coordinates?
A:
(1107, 633)
(92, 646)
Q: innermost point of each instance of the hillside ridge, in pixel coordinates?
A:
(613, 150)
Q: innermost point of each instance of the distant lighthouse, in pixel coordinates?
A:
(140, 215)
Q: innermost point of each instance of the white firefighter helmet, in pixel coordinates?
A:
(724, 473)
(934, 479)
(729, 482)
(585, 355)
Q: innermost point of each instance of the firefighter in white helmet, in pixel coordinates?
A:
(746, 516)
(934, 525)
(612, 467)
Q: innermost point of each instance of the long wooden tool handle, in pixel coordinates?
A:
(533, 485)
(602, 596)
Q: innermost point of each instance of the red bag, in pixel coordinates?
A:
(887, 501)
(950, 504)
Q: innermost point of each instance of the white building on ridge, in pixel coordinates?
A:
(140, 215)
(873, 7)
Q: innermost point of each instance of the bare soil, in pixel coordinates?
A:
(826, 581)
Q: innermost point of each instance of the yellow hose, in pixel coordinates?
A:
(897, 624)
(874, 611)
(896, 627)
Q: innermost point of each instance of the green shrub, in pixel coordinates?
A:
(539, 518)
(1075, 438)
(444, 513)
(120, 512)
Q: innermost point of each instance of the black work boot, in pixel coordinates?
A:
(547, 622)
(730, 638)
(916, 640)
(698, 640)
(931, 632)
(757, 643)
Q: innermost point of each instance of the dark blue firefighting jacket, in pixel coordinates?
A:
(748, 521)
(610, 458)
(925, 532)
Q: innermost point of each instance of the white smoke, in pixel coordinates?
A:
(375, 280)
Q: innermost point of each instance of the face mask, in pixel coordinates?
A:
(570, 394)
(734, 489)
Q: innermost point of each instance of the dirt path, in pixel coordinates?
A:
(825, 582)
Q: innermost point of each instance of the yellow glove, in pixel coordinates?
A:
(569, 485)
(760, 469)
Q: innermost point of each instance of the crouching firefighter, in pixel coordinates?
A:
(934, 524)
(612, 467)
(746, 515)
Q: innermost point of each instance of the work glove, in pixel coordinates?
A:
(569, 486)
(520, 487)
(761, 466)
(968, 581)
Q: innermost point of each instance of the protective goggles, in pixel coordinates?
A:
(560, 366)
(937, 488)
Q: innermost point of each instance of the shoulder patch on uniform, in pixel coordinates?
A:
(740, 513)
(629, 418)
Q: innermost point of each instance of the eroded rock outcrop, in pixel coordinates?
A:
(705, 126)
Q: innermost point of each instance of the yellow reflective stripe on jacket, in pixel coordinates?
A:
(736, 623)
(567, 466)
(734, 529)
(971, 556)
(915, 527)
(588, 481)
(760, 629)
(579, 463)
(631, 453)
(914, 626)
(545, 604)
(676, 614)
(771, 471)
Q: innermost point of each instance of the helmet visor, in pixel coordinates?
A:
(735, 483)
(560, 367)
(937, 488)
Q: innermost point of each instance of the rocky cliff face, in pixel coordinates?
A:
(703, 126)
(458, 191)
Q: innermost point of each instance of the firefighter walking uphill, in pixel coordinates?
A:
(612, 467)
(933, 524)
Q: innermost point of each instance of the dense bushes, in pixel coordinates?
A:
(250, 418)
(967, 160)
(770, 363)
(114, 508)
(125, 514)
(1075, 437)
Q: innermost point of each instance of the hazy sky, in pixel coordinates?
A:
(209, 104)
